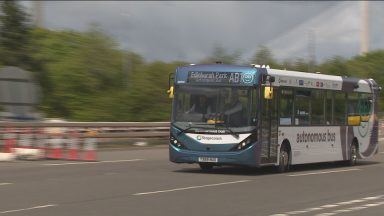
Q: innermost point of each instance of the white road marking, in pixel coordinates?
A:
(279, 215)
(26, 209)
(358, 208)
(373, 198)
(381, 152)
(296, 212)
(326, 214)
(381, 139)
(351, 202)
(342, 210)
(313, 209)
(372, 205)
(91, 162)
(5, 183)
(328, 206)
(192, 187)
(323, 172)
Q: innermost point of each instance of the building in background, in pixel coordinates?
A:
(19, 95)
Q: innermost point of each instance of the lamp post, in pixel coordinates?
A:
(364, 40)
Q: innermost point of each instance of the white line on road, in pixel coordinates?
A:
(356, 208)
(91, 162)
(381, 139)
(324, 172)
(26, 209)
(340, 204)
(381, 152)
(5, 183)
(192, 187)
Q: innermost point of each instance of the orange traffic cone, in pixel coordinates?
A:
(25, 139)
(56, 146)
(90, 145)
(9, 140)
(73, 151)
(41, 141)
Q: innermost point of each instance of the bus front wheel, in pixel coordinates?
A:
(206, 166)
(283, 160)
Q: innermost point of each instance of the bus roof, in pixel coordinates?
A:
(199, 73)
(320, 81)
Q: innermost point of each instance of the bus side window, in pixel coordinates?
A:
(285, 106)
(365, 101)
(317, 107)
(353, 109)
(302, 107)
(339, 108)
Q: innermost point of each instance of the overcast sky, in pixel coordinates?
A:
(189, 30)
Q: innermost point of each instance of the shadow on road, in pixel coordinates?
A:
(271, 170)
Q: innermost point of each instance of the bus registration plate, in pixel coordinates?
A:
(208, 159)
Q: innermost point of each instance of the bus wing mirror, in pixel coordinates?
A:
(170, 92)
(365, 118)
(268, 92)
(354, 120)
(170, 88)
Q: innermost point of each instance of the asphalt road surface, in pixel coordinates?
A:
(143, 182)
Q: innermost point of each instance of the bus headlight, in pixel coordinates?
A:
(245, 143)
(173, 141)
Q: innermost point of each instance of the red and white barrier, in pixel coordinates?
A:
(73, 146)
(9, 156)
(90, 146)
(9, 138)
(41, 140)
(56, 142)
(25, 149)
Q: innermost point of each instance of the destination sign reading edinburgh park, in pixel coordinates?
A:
(219, 77)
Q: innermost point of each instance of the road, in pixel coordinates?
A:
(142, 182)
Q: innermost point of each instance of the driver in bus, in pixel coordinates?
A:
(201, 105)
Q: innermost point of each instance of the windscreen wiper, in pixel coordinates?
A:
(228, 128)
(189, 127)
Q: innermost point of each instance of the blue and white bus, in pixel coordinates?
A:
(256, 116)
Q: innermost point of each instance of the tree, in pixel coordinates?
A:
(220, 54)
(14, 35)
(263, 56)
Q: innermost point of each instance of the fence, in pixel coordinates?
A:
(107, 132)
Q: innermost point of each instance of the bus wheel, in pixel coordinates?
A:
(206, 166)
(353, 155)
(283, 160)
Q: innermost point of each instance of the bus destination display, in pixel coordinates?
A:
(219, 77)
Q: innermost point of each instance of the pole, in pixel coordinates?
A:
(38, 13)
(311, 50)
(364, 28)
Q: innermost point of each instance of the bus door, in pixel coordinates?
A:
(269, 128)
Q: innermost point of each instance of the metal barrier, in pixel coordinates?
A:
(105, 129)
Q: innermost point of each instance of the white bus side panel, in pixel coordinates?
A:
(313, 144)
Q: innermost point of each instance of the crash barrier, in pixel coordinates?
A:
(69, 140)
(34, 145)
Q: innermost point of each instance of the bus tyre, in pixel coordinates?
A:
(283, 160)
(206, 166)
(353, 155)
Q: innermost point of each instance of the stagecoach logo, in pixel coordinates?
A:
(247, 78)
(201, 137)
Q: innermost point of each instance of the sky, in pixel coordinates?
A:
(188, 30)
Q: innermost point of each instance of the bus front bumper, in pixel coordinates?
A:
(246, 157)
